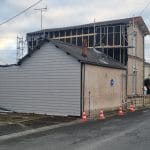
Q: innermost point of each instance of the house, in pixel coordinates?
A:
(57, 79)
(121, 39)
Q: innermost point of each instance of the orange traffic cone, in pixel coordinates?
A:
(132, 109)
(120, 112)
(84, 117)
(101, 115)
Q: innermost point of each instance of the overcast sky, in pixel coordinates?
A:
(62, 13)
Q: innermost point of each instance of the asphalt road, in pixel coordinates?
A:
(131, 132)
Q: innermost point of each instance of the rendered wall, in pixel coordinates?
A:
(102, 95)
(135, 61)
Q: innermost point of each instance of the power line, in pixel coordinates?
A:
(2, 50)
(20, 13)
(144, 8)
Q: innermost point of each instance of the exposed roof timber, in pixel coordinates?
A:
(115, 46)
(138, 20)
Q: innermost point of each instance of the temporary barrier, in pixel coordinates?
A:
(132, 109)
(120, 112)
(101, 115)
(84, 117)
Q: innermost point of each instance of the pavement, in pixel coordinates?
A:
(13, 125)
(131, 131)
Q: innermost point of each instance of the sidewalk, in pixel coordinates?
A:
(14, 125)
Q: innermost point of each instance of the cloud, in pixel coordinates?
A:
(65, 13)
(7, 43)
(8, 57)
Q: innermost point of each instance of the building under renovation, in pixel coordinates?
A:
(121, 39)
(74, 69)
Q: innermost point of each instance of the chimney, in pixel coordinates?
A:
(84, 47)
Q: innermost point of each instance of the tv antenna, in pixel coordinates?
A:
(41, 10)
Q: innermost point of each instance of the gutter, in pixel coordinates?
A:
(103, 65)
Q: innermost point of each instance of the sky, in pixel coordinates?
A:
(61, 13)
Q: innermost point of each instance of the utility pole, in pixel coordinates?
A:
(41, 10)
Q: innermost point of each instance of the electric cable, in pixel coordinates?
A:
(20, 13)
(147, 5)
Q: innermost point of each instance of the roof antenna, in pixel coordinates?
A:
(44, 9)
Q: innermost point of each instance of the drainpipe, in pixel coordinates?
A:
(83, 86)
(143, 69)
(89, 103)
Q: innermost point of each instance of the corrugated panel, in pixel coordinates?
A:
(48, 82)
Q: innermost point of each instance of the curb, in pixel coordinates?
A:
(38, 130)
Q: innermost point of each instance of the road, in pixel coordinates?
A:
(119, 133)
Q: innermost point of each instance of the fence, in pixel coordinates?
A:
(138, 100)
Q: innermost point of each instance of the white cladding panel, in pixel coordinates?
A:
(48, 82)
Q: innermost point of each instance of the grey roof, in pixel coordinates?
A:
(93, 58)
(138, 20)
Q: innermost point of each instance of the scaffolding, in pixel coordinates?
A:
(21, 44)
(111, 39)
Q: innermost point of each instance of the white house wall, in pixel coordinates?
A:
(48, 83)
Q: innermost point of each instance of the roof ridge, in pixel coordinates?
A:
(114, 21)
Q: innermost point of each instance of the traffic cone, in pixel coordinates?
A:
(84, 117)
(101, 115)
(132, 109)
(120, 112)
